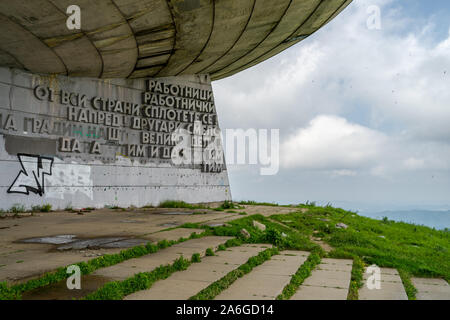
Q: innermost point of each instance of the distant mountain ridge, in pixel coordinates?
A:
(431, 218)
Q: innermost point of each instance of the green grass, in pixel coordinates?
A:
(356, 281)
(411, 291)
(272, 234)
(209, 252)
(418, 250)
(43, 208)
(302, 273)
(254, 203)
(17, 208)
(220, 285)
(173, 204)
(413, 250)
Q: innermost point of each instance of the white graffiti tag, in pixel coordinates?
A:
(31, 177)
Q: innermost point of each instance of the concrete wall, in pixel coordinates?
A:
(60, 145)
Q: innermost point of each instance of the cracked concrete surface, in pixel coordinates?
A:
(21, 261)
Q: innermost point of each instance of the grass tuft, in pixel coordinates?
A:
(299, 277)
(356, 281)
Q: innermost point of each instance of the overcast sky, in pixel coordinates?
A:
(364, 114)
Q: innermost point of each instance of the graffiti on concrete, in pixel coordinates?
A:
(32, 176)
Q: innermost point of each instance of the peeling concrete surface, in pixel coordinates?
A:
(149, 38)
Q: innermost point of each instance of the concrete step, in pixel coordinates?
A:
(329, 281)
(266, 281)
(149, 262)
(431, 289)
(391, 287)
(185, 284)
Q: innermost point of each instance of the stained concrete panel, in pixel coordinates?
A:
(185, 284)
(266, 281)
(149, 262)
(329, 281)
(391, 287)
(431, 289)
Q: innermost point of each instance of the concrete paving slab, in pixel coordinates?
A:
(173, 234)
(320, 293)
(391, 287)
(431, 289)
(200, 243)
(329, 281)
(172, 290)
(255, 286)
(149, 262)
(185, 284)
(233, 256)
(266, 281)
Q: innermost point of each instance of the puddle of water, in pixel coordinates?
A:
(59, 291)
(60, 239)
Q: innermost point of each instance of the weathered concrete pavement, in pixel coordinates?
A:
(431, 289)
(185, 284)
(266, 281)
(329, 281)
(146, 224)
(391, 287)
(149, 262)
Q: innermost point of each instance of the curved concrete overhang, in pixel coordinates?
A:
(155, 38)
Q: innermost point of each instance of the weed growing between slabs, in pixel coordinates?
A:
(356, 281)
(302, 273)
(15, 292)
(220, 285)
(411, 291)
(272, 235)
(117, 290)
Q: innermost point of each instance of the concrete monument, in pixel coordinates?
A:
(110, 102)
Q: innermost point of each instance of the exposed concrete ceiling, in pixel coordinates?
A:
(155, 38)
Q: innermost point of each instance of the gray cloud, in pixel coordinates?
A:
(352, 104)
